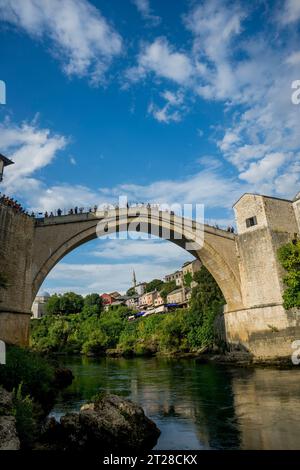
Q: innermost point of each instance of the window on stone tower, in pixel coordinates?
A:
(251, 221)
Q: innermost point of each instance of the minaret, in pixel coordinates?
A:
(134, 279)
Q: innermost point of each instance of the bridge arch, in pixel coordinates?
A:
(55, 237)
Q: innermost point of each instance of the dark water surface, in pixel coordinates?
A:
(197, 406)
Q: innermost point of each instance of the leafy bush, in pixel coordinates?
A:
(167, 288)
(289, 256)
(26, 417)
(173, 332)
(30, 369)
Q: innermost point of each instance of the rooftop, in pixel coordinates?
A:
(6, 160)
(263, 196)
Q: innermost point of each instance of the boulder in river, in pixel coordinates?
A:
(111, 423)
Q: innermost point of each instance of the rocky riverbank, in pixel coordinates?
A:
(109, 423)
(244, 359)
(9, 439)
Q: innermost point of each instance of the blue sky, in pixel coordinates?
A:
(159, 100)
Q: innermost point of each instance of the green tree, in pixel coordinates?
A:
(52, 306)
(71, 303)
(187, 280)
(156, 284)
(167, 288)
(131, 291)
(206, 303)
(95, 301)
(289, 256)
(206, 293)
(173, 331)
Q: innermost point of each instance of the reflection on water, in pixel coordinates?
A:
(197, 406)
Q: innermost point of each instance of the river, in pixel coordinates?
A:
(196, 406)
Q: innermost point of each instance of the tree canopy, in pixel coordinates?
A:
(156, 284)
(64, 304)
(167, 288)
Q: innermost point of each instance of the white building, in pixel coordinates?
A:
(38, 306)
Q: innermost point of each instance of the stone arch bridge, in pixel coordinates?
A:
(244, 264)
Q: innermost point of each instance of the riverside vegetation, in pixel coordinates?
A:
(34, 383)
(76, 325)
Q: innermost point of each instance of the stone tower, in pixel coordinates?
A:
(134, 279)
(263, 326)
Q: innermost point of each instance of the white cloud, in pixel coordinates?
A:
(105, 277)
(160, 58)
(31, 149)
(228, 139)
(265, 169)
(144, 8)
(247, 74)
(156, 250)
(169, 112)
(294, 58)
(214, 26)
(208, 187)
(81, 37)
(290, 12)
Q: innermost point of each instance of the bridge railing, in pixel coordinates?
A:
(95, 211)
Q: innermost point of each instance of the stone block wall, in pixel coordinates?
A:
(266, 332)
(16, 236)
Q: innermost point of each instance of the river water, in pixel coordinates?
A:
(196, 406)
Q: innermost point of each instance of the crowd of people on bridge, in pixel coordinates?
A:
(13, 203)
(10, 202)
(81, 210)
(72, 211)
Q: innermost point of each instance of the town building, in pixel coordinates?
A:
(177, 276)
(147, 299)
(108, 299)
(158, 300)
(38, 306)
(140, 288)
(133, 301)
(115, 304)
(179, 296)
(191, 267)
